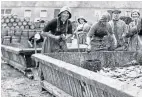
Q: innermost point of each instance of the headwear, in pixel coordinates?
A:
(135, 11)
(81, 17)
(105, 17)
(116, 11)
(65, 8)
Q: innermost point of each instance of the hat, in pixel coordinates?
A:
(81, 17)
(65, 8)
(135, 11)
(116, 11)
(105, 17)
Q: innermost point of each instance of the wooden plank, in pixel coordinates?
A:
(90, 77)
(11, 49)
(20, 50)
(54, 90)
(15, 65)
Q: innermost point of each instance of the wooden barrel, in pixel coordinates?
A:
(24, 23)
(12, 28)
(16, 27)
(15, 16)
(7, 20)
(18, 32)
(17, 20)
(6, 40)
(29, 23)
(14, 24)
(22, 19)
(10, 24)
(15, 39)
(4, 32)
(31, 33)
(2, 20)
(32, 27)
(9, 16)
(24, 41)
(22, 27)
(7, 27)
(4, 24)
(42, 25)
(27, 27)
(27, 19)
(19, 23)
(25, 33)
(12, 20)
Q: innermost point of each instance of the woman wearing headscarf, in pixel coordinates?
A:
(101, 36)
(57, 31)
(135, 32)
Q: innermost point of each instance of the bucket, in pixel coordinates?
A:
(93, 65)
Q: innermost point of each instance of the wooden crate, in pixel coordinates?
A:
(73, 81)
(19, 57)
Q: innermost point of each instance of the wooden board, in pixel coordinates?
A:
(54, 90)
(100, 82)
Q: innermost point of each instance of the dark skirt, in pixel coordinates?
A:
(52, 45)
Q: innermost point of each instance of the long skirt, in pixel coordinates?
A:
(52, 45)
(135, 43)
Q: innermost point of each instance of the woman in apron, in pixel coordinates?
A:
(57, 31)
(135, 32)
(101, 36)
(82, 29)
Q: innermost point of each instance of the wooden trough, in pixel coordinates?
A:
(19, 58)
(62, 75)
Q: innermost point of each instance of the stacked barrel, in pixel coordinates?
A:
(17, 30)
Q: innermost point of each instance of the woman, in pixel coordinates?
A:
(102, 35)
(82, 29)
(57, 31)
(135, 32)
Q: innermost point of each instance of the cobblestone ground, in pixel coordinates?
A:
(15, 84)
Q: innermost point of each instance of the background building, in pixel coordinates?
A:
(47, 10)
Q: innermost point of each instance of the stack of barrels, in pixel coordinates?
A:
(17, 30)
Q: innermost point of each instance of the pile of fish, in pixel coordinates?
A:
(131, 74)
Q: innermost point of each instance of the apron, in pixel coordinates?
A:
(135, 43)
(52, 45)
(105, 43)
